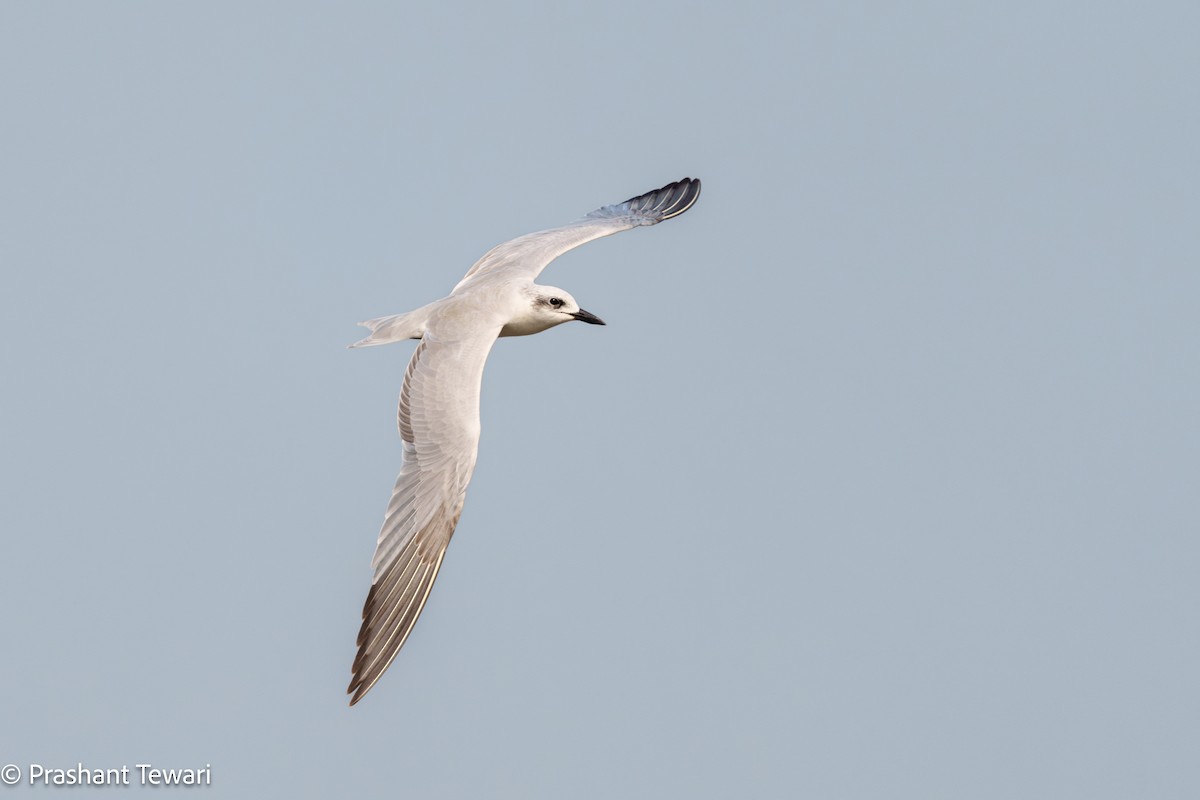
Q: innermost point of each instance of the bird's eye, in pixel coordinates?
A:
(556, 301)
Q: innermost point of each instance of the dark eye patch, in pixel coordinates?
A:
(556, 301)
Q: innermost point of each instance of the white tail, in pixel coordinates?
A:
(395, 328)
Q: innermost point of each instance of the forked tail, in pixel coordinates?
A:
(395, 328)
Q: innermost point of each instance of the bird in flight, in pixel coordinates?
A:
(439, 405)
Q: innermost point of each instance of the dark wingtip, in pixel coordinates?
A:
(669, 201)
(356, 687)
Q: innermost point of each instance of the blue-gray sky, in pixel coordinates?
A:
(881, 481)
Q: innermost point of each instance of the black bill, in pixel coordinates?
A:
(588, 317)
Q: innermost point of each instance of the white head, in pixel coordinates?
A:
(548, 306)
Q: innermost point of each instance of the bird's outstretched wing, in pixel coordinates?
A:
(526, 256)
(439, 428)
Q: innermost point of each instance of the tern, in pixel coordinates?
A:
(439, 405)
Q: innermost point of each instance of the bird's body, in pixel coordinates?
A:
(439, 405)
